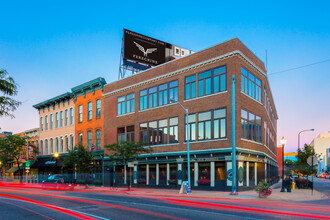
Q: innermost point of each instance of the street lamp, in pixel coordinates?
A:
(283, 142)
(187, 129)
(56, 155)
(299, 135)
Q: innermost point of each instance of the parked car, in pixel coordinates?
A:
(325, 175)
(58, 181)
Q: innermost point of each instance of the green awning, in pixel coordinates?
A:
(12, 170)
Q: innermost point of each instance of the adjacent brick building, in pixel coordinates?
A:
(144, 107)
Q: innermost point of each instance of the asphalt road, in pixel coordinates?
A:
(25, 203)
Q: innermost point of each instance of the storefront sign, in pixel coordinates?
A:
(50, 162)
(185, 188)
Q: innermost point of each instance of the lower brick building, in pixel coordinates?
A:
(147, 107)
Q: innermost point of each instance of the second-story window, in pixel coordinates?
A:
(46, 122)
(130, 103)
(98, 139)
(204, 125)
(89, 139)
(66, 117)
(80, 113)
(61, 119)
(98, 108)
(56, 120)
(80, 138)
(41, 124)
(250, 126)
(51, 122)
(191, 127)
(71, 116)
(174, 130)
(90, 110)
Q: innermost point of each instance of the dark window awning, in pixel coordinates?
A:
(12, 170)
(48, 162)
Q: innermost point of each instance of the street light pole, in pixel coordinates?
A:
(283, 142)
(187, 129)
(299, 135)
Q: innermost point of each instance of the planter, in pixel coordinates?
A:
(264, 195)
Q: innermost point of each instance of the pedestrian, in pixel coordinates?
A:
(289, 183)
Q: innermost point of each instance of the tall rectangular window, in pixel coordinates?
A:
(98, 108)
(143, 99)
(174, 90)
(190, 87)
(90, 110)
(41, 147)
(80, 113)
(61, 119)
(121, 105)
(163, 94)
(250, 85)
(191, 127)
(46, 146)
(66, 117)
(204, 83)
(98, 139)
(153, 140)
(250, 126)
(219, 83)
(66, 148)
(204, 125)
(46, 122)
(80, 138)
(130, 103)
(120, 134)
(219, 130)
(89, 139)
(162, 131)
(51, 145)
(153, 97)
(61, 145)
(56, 120)
(51, 122)
(71, 142)
(130, 133)
(174, 130)
(144, 133)
(41, 124)
(56, 145)
(71, 116)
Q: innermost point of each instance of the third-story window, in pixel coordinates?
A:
(41, 124)
(80, 113)
(90, 110)
(98, 139)
(204, 125)
(56, 120)
(51, 122)
(251, 85)
(204, 83)
(143, 99)
(71, 116)
(125, 104)
(61, 119)
(250, 126)
(98, 108)
(174, 90)
(66, 117)
(191, 87)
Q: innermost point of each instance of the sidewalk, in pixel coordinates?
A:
(298, 195)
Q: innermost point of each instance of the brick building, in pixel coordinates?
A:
(144, 107)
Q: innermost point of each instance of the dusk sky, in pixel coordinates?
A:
(51, 47)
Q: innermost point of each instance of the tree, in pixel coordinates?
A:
(8, 87)
(11, 148)
(301, 165)
(79, 159)
(126, 151)
(289, 166)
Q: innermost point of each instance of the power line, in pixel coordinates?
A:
(299, 67)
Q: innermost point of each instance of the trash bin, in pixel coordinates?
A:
(293, 185)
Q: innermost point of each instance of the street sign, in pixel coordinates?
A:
(130, 164)
(312, 161)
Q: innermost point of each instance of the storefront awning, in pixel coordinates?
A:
(48, 162)
(31, 163)
(12, 170)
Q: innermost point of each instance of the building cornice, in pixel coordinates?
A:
(192, 67)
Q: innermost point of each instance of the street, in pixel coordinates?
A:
(35, 203)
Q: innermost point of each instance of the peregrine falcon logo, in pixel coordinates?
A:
(145, 53)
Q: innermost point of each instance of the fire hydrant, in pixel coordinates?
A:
(293, 185)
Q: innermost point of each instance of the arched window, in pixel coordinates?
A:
(51, 145)
(80, 138)
(66, 143)
(98, 139)
(46, 146)
(89, 139)
(56, 145)
(71, 142)
(41, 147)
(61, 145)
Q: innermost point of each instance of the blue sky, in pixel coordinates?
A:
(49, 47)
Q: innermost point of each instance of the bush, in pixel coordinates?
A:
(97, 182)
(263, 187)
(303, 183)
